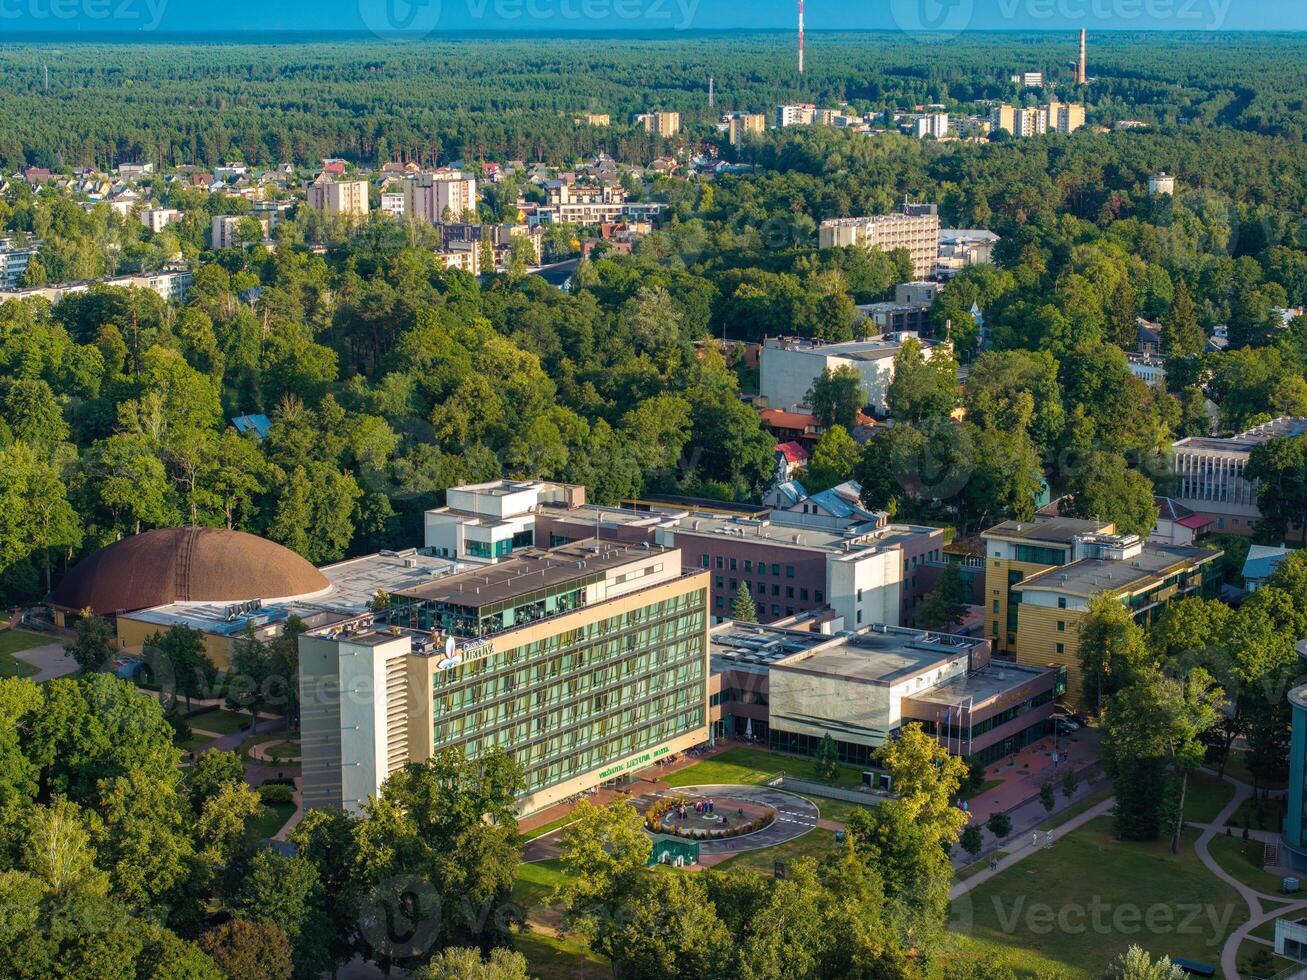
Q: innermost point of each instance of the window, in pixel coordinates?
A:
(1040, 556)
(776, 570)
(803, 594)
(1061, 602)
(995, 605)
(789, 571)
(734, 585)
(1060, 648)
(718, 602)
(995, 629)
(789, 592)
(732, 564)
(789, 610)
(819, 596)
(859, 595)
(748, 564)
(775, 590)
(705, 561)
(719, 561)
(775, 610)
(717, 581)
(1061, 626)
(859, 615)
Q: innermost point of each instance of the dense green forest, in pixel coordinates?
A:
(516, 99)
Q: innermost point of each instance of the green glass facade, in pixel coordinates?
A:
(479, 621)
(567, 705)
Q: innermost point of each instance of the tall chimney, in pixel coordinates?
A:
(1082, 69)
(800, 37)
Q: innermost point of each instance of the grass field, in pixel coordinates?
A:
(536, 883)
(548, 827)
(270, 820)
(814, 844)
(1075, 906)
(1243, 859)
(755, 766)
(11, 641)
(218, 720)
(837, 810)
(1204, 797)
(559, 958)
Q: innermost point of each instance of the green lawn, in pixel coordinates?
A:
(816, 843)
(11, 641)
(1237, 766)
(269, 820)
(755, 766)
(1204, 797)
(536, 883)
(988, 784)
(1258, 815)
(559, 958)
(1088, 803)
(1243, 859)
(1075, 906)
(549, 827)
(218, 720)
(1259, 960)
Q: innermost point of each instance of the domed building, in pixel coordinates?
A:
(185, 564)
(223, 583)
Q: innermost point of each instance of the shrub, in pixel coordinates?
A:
(999, 824)
(275, 794)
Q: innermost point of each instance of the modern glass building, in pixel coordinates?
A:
(584, 662)
(1294, 832)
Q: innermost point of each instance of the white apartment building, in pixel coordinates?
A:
(393, 204)
(663, 123)
(787, 367)
(935, 124)
(15, 255)
(225, 229)
(345, 198)
(157, 219)
(802, 114)
(172, 284)
(440, 196)
(916, 231)
(1150, 368)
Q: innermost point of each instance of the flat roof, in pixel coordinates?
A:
(991, 681)
(531, 570)
(1058, 530)
(353, 584)
(814, 539)
(879, 655)
(1089, 576)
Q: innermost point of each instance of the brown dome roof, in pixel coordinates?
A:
(179, 564)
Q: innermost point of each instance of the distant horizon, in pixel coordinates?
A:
(417, 19)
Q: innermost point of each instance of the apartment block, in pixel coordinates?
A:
(583, 662)
(915, 230)
(795, 115)
(665, 124)
(440, 196)
(1041, 575)
(788, 366)
(15, 255)
(740, 125)
(345, 198)
(157, 219)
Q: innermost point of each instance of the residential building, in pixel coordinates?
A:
(1209, 473)
(740, 125)
(461, 255)
(1056, 117)
(1150, 368)
(135, 171)
(896, 318)
(343, 198)
(596, 119)
(584, 662)
(795, 115)
(1162, 184)
(1260, 564)
(171, 283)
(960, 248)
(392, 203)
(915, 230)
(1041, 575)
(440, 196)
(15, 255)
(793, 687)
(224, 230)
(157, 219)
(787, 367)
(1029, 79)
(1065, 117)
(665, 124)
(1177, 524)
(934, 124)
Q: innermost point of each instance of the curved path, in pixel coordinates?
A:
(1261, 906)
(795, 816)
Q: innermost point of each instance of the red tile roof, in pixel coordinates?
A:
(779, 419)
(794, 453)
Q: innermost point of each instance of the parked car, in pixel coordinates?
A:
(128, 668)
(1065, 726)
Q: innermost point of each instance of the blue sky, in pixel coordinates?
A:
(426, 17)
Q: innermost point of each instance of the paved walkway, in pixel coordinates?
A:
(1021, 776)
(1261, 906)
(49, 659)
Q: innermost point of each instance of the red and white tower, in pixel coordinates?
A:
(800, 37)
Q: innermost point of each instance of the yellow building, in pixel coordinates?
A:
(1040, 576)
(665, 124)
(742, 124)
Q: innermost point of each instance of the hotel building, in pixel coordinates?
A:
(916, 230)
(584, 662)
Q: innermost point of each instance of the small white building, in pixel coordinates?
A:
(1162, 184)
(1150, 368)
(788, 366)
